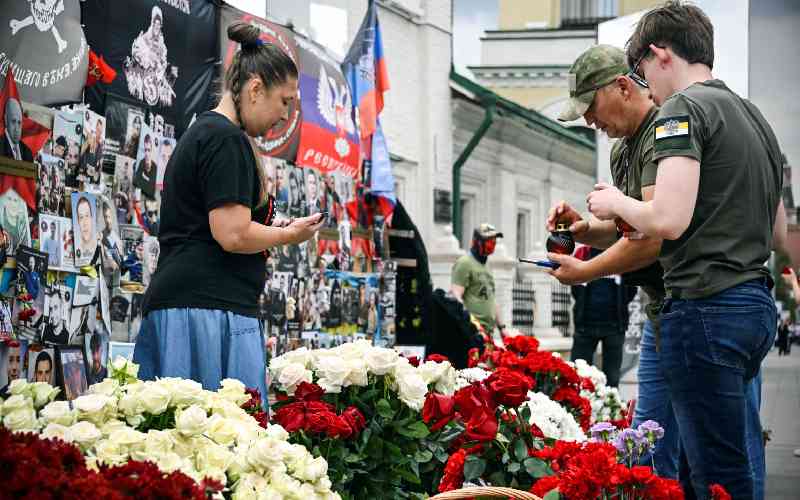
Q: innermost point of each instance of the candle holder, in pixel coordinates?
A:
(560, 241)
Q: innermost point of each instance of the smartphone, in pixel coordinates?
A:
(542, 263)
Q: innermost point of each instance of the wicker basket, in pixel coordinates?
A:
(485, 491)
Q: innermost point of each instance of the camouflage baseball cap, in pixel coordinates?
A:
(487, 231)
(595, 68)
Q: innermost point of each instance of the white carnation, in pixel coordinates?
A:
(553, 419)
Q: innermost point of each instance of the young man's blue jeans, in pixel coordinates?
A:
(711, 350)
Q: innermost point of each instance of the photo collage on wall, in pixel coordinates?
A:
(317, 294)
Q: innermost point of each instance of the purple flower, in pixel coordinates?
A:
(652, 430)
(602, 431)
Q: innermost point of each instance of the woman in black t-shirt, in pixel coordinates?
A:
(201, 308)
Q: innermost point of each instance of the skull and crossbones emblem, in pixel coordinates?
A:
(43, 15)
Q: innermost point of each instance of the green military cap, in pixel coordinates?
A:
(595, 68)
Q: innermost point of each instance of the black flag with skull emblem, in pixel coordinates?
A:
(43, 43)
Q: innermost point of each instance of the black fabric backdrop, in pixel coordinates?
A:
(177, 83)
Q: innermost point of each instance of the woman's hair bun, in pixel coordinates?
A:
(243, 33)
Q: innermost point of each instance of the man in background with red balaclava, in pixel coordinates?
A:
(473, 283)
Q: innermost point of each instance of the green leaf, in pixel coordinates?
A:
(537, 468)
(423, 456)
(506, 457)
(514, 467)
(552, 495)
(407, 475)
(417, 430)
(442, 456)
(498, 478)
(474, 468)
(520, 449)
(353, 458)
(384, 409)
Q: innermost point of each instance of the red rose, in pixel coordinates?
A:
(318, 406)
(438, 410)
(482, 426)
(308, 392)
(291, 417)
(544, 485)
(338, 427)
(413, 361)
(718, 492)
(510, 387)
(319, 422)
(437, 358)
(355, 419)
(474, 398)
(473, 357)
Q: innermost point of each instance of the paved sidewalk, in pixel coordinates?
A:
(780, 413)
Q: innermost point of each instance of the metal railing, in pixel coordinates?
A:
(562, 307)
(523, 296)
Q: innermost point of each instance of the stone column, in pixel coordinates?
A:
(442, 254)
(503, 268)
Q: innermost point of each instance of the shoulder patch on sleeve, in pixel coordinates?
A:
(673, 132)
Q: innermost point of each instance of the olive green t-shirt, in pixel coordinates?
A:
(633, 168)
(478, 285)
(730, 234)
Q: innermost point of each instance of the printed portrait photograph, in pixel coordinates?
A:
(11, 144)
(297, 193)
(56, 315)
(133, 132)
(96, 353)
(165, 151)
(123, 182)
(14, 214)
(132, 237)
(12, 354)
(41, 366)
(51, 187)
(68, 133)
(94, 136)
(6, 325)
(146, 170)
(84, 213)
(111, 249)
(151, 252)
(72, 372)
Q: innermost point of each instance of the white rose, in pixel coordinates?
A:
(224, 408)
(447, 382)
(302, 356)
(57, 431)
(332, 373)
(239, 464)
(58, 412)
(191, 421)
(92, 407)
(158, 442)
(154, 399)
(128, 439)
(233, 391)
(323, 485)
(135, 420)
(213, 457)
(18, 386)
(221, 430)
(110, 453)
(314, 469)
(431, 371)
(130, 404)
(264, 454)
(112, 425)
(23, 419)
(276, 432)
(42, 393)
(17, 402)
(249, 486)
(411, 390)
(85, 434)
(306, 491)
(187, 393)
(292, 375)
(284, 484)
(108, 387)
(170, 462)
(380, 360)
(122, 366)
(358, 375)
(185, 446)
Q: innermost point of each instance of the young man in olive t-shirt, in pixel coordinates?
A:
(716, 204)
(473, 283)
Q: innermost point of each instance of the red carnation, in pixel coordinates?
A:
(308, 392)
(355, 419)
(438, 410)
(437, 358)
(509, 387)
(473, 357)
(521, 344)
(544, 485)
(453, 476)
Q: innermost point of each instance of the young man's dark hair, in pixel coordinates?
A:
(684, 28)
(95, 343)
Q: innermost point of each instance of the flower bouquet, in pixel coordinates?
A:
(175, 425)
(358, 406)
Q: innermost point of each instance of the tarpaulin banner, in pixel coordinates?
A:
(164, 52)
(282, 140)
(43, 43)
(328, 138)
